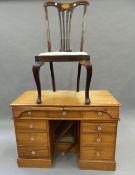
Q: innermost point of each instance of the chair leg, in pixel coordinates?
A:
(78, 77)
(88, 81)
(36, 69)
(52, 75)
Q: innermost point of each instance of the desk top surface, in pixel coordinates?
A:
(66, 98)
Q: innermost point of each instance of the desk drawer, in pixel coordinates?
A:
(93, 138)
(60, 114)
(31, 125)
(31, 114)
(32, 152)
(64, 114)
(88, 127)
(96, 115)
(31, 138)
(97, 153)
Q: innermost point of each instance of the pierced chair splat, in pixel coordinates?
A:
(65, 54)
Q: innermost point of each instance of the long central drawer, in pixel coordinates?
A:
(60, 114)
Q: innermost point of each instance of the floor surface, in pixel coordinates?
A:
(68, 164)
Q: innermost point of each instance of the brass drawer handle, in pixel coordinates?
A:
(100, 113)
(30, 126)
(64, 113)
(32, 138)
(99, 128)
(29, 113)
(33, 152)
(98, 140)
(97, 154)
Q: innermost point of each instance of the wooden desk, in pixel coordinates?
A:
(98, 127)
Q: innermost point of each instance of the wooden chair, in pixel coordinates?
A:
(65, 11)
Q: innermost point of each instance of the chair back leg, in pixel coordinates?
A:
(78, 77)
(52, 76)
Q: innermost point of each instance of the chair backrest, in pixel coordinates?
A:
(65, 11)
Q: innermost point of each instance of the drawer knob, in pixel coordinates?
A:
(63, 154)
(99, 128)
(64, 113)
(97, 154)
(32, 139)
(98, 140)
(29, 113)
(33, 152)
(100, 113)
(30, 126)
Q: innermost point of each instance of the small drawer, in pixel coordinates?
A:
(88, 127)
(32, 152)
(64, 114)
(97, 153)
(30, 114)
(96, 115)
(93, 138)
(31, 138)
(31, 125)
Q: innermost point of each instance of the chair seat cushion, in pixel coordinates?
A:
(62, 53)
(62, 56)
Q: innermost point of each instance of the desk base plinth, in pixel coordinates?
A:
(98, 165)
(34, 163)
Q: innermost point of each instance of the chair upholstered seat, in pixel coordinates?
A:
(62, 56)
(62, 53)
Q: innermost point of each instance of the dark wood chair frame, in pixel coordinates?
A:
(65, 11)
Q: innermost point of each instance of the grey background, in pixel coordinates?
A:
(110, 29)
(110, 41)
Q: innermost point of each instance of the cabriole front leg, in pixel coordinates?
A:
(36, 69)
(88, 81)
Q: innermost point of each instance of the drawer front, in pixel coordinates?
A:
(32, 152)
(88, 127)
(96, 115)
(29, 114)
(88, 139)
(31, 125)
(31, 138)
(62, 114)
(97, 153)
